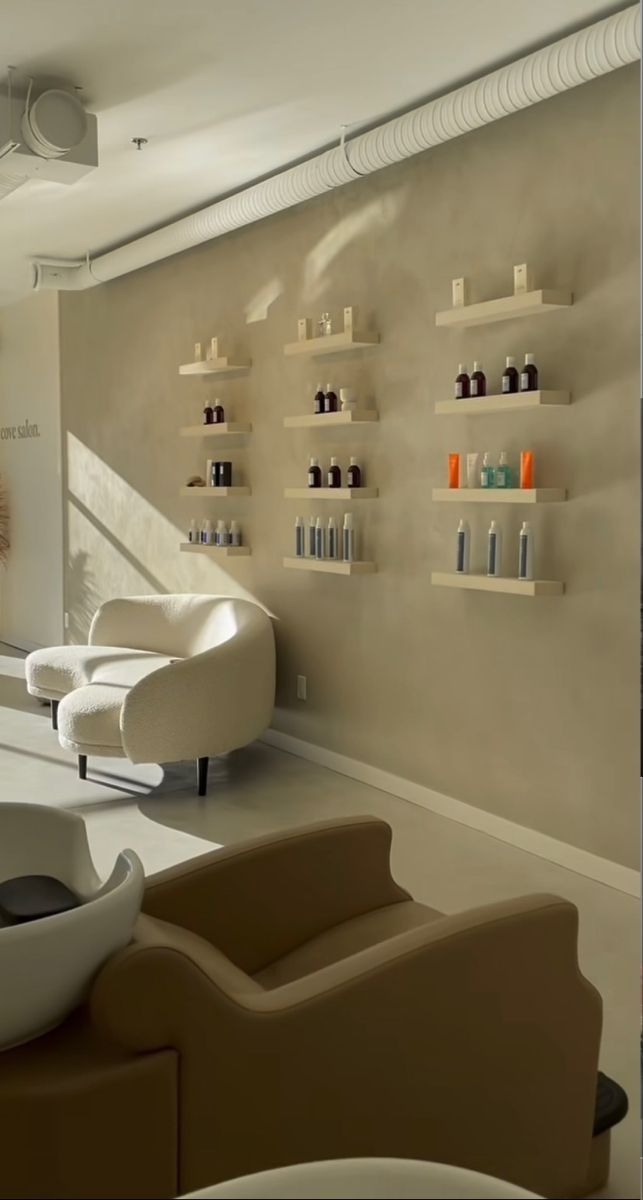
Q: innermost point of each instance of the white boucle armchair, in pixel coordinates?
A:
(164, 678)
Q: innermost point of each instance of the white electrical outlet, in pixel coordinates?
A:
(302, 687)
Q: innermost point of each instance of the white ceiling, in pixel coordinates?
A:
(229, 90)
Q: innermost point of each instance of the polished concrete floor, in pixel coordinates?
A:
(262, 789)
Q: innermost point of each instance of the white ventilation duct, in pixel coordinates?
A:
(579, 58)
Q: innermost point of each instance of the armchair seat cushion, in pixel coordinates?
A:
(56, 670)
(344, 940)
(89, 719)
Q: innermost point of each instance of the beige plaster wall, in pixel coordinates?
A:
(31, 584)
(525, 708)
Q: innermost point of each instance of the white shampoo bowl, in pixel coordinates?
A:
(47, 965)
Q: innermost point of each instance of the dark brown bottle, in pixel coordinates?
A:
(334, 474)
(354, 475)
(208, 414)
(529, 375)
(314, 474)
(218, 414)
(331, 403)
(462, 383)
(510, 377)
(319, 401)
(478, 381)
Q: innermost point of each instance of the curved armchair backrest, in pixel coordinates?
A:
(175, 625)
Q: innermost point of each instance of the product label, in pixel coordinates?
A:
(491, 555)
(506, 384)
(522, 557)
(460, 558)
(524, 381)
(474, 387)
(458, 391)
(484, 477)
(311, 479)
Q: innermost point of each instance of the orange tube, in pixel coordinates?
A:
(527, 469)
(454, 470)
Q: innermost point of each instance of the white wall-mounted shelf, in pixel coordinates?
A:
(358, 416)
(215, 366)
(330, 566)
(333, 343)
(486, 583)
(508, 403)
(219, 429)
(215, 551)
(500, 495)
(209, 493)
(521, 304)
(325, 493)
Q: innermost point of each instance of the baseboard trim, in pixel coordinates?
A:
(602, 870)
(23, 644)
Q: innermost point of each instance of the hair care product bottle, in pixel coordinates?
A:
(334, 474)
(299, 537)
(526, 469)
(219, 534)
(218, 415)
(509, 377)
(320, 539)
(193, 532)
(208, 533)
(526, 552)
(494, 549)
(235, 534)
(354, 474)
(333, 540)
(503, 472)
(311, 537)
(347, 399)
(349, 539)
(223, 474)
(208, 414)
(202, 531)
(462, 549)
(318, 402)
(487, 471)
(473, 470)
(314, 474)
(330, 399)
(454, 470)
(462, 383)
(478, 383)
(529, 375)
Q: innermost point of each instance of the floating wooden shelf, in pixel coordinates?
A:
(507, 403)
(331, 566)
(358, 416)
(521, 304)
(209, 493)
(500, 495)
(215, 366)
(333, 343)
(215, 551)
(325, 493)
(221, 429)
(486, 583)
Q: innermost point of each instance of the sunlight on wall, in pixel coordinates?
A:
(258, 307)
(119, 544)
(379, 213)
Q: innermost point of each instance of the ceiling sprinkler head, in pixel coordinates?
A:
(139, 143)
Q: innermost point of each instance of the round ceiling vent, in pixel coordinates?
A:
(54, 124)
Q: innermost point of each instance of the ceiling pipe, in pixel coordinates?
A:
(603, 47)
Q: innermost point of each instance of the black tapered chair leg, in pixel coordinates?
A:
(82, 766)
(202, 775)
(54, 714)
